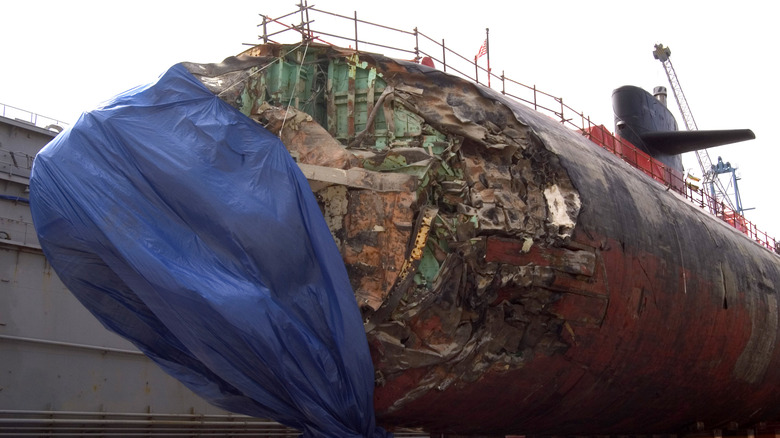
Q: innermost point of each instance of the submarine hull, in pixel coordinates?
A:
(584, 298)
(677, 325)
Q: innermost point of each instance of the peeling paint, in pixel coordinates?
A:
(562, 211)
(475, 257)
(752, 365)
(431, 299)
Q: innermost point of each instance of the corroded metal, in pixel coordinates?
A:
(527, 281)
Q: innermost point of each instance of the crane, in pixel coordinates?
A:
(709, 175)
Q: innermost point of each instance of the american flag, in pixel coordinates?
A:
(482, 50)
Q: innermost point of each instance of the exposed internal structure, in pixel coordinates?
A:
(452, 217)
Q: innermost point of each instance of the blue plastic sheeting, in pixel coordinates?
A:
(186, 227)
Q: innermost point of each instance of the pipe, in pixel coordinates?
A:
(15, 198)
(70, 344)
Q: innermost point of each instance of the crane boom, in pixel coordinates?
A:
(662, 54)
(710, 178)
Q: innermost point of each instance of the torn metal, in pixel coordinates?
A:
(431, 181)
(418, 182)
(463, 234)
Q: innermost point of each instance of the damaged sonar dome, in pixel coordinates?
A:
(512, 276)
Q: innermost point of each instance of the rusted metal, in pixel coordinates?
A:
(529, 281)
(351, 102)
(373, 111)
(564, 113)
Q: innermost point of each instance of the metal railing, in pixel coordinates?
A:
(423, 46)
(675, 181)
(455, 63)
(12, 112)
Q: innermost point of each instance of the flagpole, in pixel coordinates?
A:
(483, 50)
(476, 68)
(487, 48)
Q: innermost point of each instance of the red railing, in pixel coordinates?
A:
(674, 180)
(457, 64)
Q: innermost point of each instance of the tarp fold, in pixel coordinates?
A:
(188, 229)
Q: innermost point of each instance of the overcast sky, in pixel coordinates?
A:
(62, 58)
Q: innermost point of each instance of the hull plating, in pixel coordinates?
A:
(556, 290)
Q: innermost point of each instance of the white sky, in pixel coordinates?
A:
(61, 58)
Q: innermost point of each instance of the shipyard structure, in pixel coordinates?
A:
(61, 372)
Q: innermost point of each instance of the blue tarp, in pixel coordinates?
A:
(187, 228)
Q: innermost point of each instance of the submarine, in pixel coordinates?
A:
(508, 275)
(644, 120)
